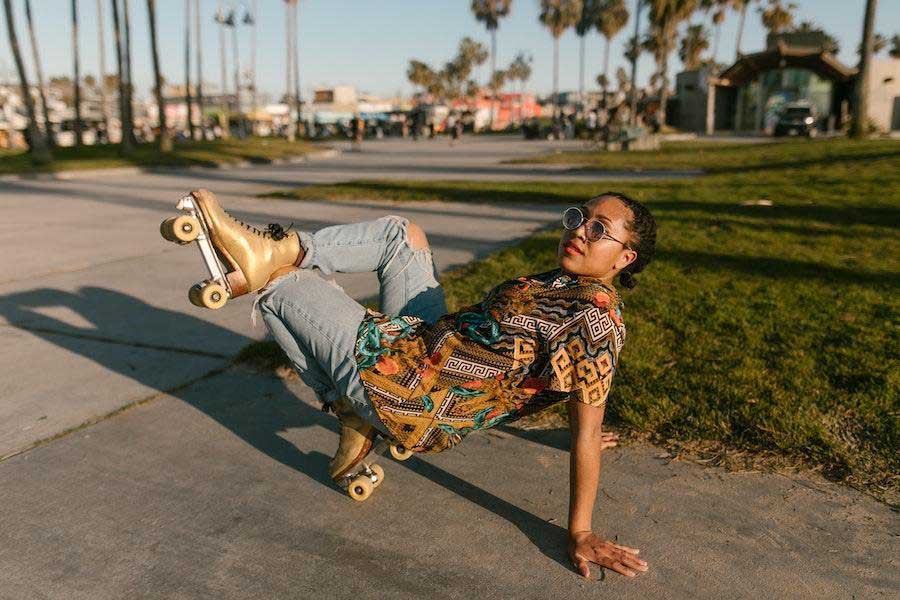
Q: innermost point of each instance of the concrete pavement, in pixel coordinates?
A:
(214, 484)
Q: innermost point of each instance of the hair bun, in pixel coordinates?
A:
(627, 280)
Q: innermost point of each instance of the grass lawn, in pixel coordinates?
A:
(260, 150)
(720, 157)
(761, 334)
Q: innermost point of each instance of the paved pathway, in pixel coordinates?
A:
(215, 484)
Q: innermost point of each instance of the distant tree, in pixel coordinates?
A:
(557, 16)
(126, 144)
(861, 109)
(76, 59)
(665, 15)
(895, 46)
(498, 80)
(623, 80)
(694, 43)
(490, 12)
(829, 42)
(37, 144)
(879, 43)
(129, 85)
(741, 7)
(520, 70)
(777, 16)
(589, 10)
(717, 9)
(165, 139)
(39, 72)
(453, 81)
(612, 16)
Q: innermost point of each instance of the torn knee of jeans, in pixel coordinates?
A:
(416, 237)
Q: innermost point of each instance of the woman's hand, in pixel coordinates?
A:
(608, 440)
(585, 547)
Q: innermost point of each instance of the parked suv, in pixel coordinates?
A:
(797, 119)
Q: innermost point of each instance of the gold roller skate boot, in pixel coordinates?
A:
(357, 439)
(251, 255)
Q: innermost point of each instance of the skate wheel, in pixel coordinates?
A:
(181, 230)
(213, 296)
(379, 474)
(360, 488)
(399, 452)
(194, 295)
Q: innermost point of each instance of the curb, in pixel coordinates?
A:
(88, 173)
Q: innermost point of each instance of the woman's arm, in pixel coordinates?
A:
(588, 442)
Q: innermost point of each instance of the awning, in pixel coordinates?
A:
(824, 64)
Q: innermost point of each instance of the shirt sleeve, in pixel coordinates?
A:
(584, 352)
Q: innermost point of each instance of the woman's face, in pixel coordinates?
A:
(605, 257)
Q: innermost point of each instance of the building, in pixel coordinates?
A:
(748, 96)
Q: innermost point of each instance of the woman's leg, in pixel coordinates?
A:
(316, 324)
(406, 272)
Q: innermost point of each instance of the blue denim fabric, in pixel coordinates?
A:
(316, 322)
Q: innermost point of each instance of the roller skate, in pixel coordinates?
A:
(239, 258)
(349, 467)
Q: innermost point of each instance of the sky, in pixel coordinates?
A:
(369, 44)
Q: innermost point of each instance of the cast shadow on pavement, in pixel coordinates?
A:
(257, 421)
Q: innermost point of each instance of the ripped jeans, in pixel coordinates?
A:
(316, 323)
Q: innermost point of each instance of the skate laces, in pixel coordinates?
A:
(272, 230)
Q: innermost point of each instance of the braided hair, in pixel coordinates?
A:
(642, 230)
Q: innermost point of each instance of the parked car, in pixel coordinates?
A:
(797, 119)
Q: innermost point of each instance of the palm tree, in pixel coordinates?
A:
(665, 15)
(39, 72)
(778, 17)
(198, 32)
(295, 48)
(165, 139)
(101, 39)
(879, 43)
(694, 43)
(894, 52)
(37, 144)
(224, 119)
(127, 139)
(741, 6)
(717, 8)
(129, 88)
(520, 70)
(861, 110)
(636, 46)
(490, 12)
(611, 19)
(187, 67)
(589, 12)
(77, 67)
(557, 16)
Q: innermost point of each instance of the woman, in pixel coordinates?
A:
(423, 378)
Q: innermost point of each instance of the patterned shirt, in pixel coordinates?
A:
(532, 342)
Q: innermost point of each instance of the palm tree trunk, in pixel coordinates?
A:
(606, 69)
(664, 91)
(715, 52)
(493, 72)
(581, 68)
(187, 68)
(37, 144)
(77, 81)
(237, 80)
(253, 95)
(637, 30)
(296, 63)
(127, 137)
(555, 81)
(199, 29)
(39, 72)
(861, 110)
(740, 31)
(223, 67)
(289, 68)
(129, 87)
(101, 37)
(165, 140)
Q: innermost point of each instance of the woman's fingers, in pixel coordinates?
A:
(620, 568)
(581, 565)
(627, 549)
(633, 563)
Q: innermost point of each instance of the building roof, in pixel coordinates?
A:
(824, 64)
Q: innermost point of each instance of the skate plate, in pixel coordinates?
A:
(368, 475)
(215, 291)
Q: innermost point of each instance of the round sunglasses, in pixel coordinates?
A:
(594, 229)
